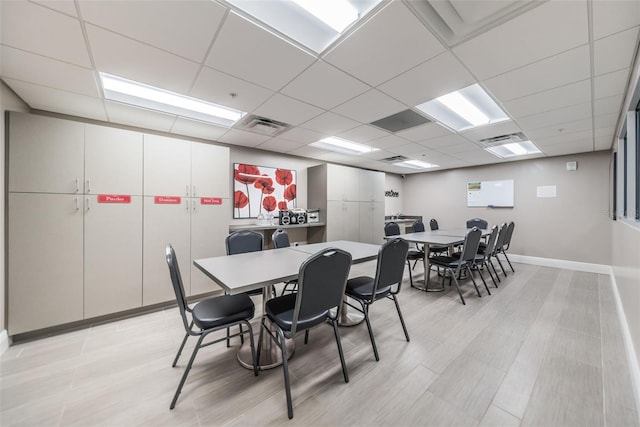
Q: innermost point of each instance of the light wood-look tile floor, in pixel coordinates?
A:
(545, 349)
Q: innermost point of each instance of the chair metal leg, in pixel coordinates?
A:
(306, 336)
(484, 264)
(482, 277)
(253, 349)
(184, 341)
(241, 334)
(475, 285)
(259, 352)
(507, 258)
(345, 374)
(186, 372)
(365, 308)
(501, 266)
(410, 276)
(452, 274)
(285, 369)
(404, 327)
(494, 270)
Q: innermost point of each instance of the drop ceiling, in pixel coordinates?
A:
(560, 70)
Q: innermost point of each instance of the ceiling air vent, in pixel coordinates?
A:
(400, 121)
(503, 139)
(394, 159)
(262, 125)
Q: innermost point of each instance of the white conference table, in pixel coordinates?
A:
(443, 237)
(259, 270)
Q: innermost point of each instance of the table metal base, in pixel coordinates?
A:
(270, 355)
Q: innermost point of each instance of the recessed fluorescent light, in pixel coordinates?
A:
(464, 109)
(343, 146)
(416, 164)
(153, 98)
(338, 14)
(514, 149)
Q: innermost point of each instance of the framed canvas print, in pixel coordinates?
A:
(261, 190)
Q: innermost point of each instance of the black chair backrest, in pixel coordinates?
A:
(491, 243)
(392, 257)
(471, 243)
(391, 229)
(507, 237)
(241, 242)
(322, 279)
(433, 224)
(502, 235)
(477, 222)
(176, 281)
(280, 239)
(418, 226)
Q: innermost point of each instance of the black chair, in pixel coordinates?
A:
(209, 315)
(393, 229)
(436, 249)
(280, 239)
(433, 224)
(367, 290)
(477, 222)
(507, 242)
(321, 285)
(455, 265)
(500, 242)
(418, 227)
(483, 257)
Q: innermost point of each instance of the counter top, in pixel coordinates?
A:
(237, 227)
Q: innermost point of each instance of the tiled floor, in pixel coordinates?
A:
(544, 350)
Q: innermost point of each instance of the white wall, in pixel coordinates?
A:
(394, 205)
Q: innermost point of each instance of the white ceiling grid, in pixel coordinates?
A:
(559, 68)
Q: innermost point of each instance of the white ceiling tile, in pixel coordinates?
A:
(562, 25)
(308, 151)
(563, 96)
(133, 60)
(429, 80)
(155, 23)
(476, 156)
(443, 141)
(605, 120)
(411, 149)
(564, 139)
(614, 15)
(301, 135)
(198, 129)
(565, 128)
(337, 157)
(610, 84)
(375, 53)
(245, 139)
(287, 110)
(556, 117)
(370, 106)
(388, 142)
(245, 50)
(459, 148)
(330, 124)
(65, 6)
(424, 132)
(37, 29)
(25, 66)
(324, 85)
(214, 86)
(559, 70)
(608, 105)
(604, 138)
(570, 148)
(614, 52)
(139, 117)
(58, 101)
(489, 131)
(280, 145)
(364, 133)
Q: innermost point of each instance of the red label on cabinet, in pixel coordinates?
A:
(167, 200)
(114, 198)
(210, 200)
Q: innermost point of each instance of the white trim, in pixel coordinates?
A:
(4, 341)
(634, 369)
(560, 263)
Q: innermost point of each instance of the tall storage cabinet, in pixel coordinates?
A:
(351, 200)
(83, 205)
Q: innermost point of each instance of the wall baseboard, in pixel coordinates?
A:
(4, 341)
(561, 263)
(634, 368)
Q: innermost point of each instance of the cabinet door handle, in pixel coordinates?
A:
(88, 205)
(88, 185)
(187, 190)
(77, 185)
(77, 205)
(194, 190)
(186, 203)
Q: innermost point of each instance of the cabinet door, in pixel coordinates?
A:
(209, 227)
(113, 161)
(46, 155)
(377, 223)
(371, 186)
(210, 171)
(164, 224)
(112, 256)
(343, 183)
(167, 166)
(351, 221)
(335, 220)
(366, 222)
(44, 261)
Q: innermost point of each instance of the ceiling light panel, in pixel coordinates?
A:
(513, 149)
(312, 23)
(464, 109)
(343, 146)
(416, 164)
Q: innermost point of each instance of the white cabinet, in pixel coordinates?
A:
(351, 202)
(167, 166)
(210, 171)
(45, 260)
(209, 227)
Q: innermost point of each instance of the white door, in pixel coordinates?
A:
(164, 223)
(45, 261)
(210, 171)
(113, 161)
(167, 166)
(113, 255)
(209, 227)
(343, 183)
(46, 155)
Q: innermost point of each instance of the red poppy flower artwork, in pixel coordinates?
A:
(261, 190)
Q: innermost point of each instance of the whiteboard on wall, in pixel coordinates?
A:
(494, 194)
